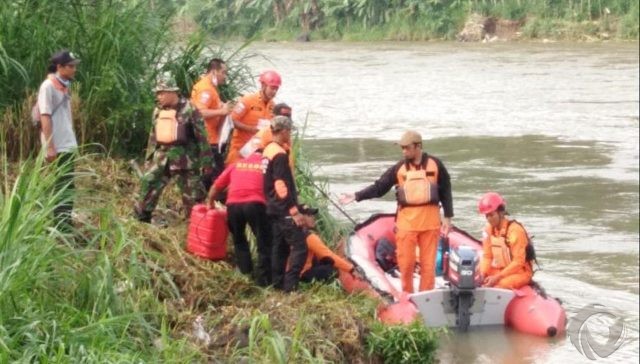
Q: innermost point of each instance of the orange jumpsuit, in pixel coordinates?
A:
(504, 254)
(318, 250)
(249, 110)
(416, 225)
(205, 96)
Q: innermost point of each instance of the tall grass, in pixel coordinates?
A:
(123, 45)
(397, 19)
(66, 304)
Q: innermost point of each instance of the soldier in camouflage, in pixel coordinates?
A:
(184, 158)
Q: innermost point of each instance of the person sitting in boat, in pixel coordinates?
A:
(322, 264)
(507, 249)
(386, 255)
(422, 185)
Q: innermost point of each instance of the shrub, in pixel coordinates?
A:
(400, 344)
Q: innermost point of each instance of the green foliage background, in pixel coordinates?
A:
(406, 19)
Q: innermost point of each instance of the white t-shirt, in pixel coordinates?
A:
(64, 139)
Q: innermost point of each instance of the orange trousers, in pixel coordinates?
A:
(512, 281)
(406, 242)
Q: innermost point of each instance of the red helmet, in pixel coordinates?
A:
(490, 202)
(270, 78)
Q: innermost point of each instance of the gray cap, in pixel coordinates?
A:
(281, 122)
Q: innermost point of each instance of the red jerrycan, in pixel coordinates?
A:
(208, 231)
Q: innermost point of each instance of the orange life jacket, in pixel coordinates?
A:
(419, 186)
(169, 130)
(500, 248)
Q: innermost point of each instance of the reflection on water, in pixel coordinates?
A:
(553, 127)
(499, 345)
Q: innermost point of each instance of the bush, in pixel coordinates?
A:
(400, 344)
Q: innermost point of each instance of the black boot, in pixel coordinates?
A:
(142, 216)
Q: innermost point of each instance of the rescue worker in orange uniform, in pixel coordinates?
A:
(422, 186)
(322, 263)
(206, 98)
(282, 208)
(250, 110)
(507, 250)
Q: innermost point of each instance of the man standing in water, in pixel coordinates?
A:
(250, 111)
(507, 251)
(178, 147)
(56, 133)
(206, 98)
(422, 185)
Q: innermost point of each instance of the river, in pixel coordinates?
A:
(553, 127)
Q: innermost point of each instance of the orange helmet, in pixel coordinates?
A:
(270, 78)
(490, 202)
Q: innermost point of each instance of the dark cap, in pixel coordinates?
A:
(64, 57)
(282, 109)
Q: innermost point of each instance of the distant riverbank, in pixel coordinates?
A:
(417, 20)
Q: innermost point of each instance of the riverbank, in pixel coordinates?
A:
(366, 20)
(120, 290)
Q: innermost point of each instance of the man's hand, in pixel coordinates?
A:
(298, 219)
(446, 226)
(226, 108)
(51, 154)
(347, 198)
(309, 221)
(491, 281)
(211, 197)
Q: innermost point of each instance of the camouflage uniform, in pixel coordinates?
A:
(184, 161)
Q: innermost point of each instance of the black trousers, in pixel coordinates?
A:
(65, 163)
(322, 272)
(218, 167)
(288, 244)
(254, 214)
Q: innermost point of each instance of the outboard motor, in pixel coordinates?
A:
(463, 279)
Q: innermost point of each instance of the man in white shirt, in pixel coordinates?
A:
(56, 133)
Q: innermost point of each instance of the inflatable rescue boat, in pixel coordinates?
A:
(458, 300)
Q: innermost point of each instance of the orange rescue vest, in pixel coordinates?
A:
(500, 248)
(169, 130)
(420, 186)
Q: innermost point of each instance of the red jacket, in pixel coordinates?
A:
(244, 179)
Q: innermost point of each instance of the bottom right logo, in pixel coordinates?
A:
(598, 317)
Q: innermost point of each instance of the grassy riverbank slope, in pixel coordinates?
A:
(116, 290)
(369, 20)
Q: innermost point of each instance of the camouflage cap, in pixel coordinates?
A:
(166, 83)
(281, 122)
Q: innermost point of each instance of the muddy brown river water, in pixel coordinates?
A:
(553, 127)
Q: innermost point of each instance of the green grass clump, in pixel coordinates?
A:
(403, 344)
(64, 298)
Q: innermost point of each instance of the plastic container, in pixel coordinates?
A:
(208, 231)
